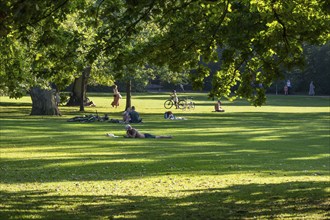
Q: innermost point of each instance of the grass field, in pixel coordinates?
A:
(269, 162)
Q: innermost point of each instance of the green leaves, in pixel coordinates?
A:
(198, 76)
(256, 39)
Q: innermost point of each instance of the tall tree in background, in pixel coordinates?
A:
(317, 70)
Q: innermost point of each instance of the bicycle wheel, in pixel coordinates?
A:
(182, 104)
(168, 104)
(192, 105)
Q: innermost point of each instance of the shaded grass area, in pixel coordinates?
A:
(213, 203)
(268, 162)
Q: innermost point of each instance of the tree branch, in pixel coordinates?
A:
(50, 13)
(284, 34)
(222, 18)
(131, 26)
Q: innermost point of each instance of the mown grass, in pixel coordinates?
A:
(269, 162)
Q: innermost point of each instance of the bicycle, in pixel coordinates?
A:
(169, 103)
(188, 103)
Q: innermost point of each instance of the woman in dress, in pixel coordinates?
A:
(311, 89)
(116, 97)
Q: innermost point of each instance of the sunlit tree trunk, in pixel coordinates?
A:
(43, 102)
(75, 92)
(78, 93)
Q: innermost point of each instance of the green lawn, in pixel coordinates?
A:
(269, 162)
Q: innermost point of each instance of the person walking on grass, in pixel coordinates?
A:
(289, 85)
(285, 90)
(116, 96)
(311, 89)
(133, 133)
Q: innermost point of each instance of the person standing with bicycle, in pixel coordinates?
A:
(175, 99)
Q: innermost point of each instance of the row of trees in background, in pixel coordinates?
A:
(102, 41)
(316, 69)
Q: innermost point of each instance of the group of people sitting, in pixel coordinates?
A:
(130, 115)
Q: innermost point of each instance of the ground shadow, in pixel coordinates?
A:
(266, 201)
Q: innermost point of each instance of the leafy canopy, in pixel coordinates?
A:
(257, 39)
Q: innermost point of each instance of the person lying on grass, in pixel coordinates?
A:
(170, 115)
(133, 133)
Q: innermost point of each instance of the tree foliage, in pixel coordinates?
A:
(316, 69)
(258, 39)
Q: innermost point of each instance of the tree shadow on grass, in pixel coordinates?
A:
(243, 143)
(301, 200)
(15, 104)
(151, 161)
(259, 145)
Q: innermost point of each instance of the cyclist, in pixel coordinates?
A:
(175, 99)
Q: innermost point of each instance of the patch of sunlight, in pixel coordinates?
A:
(279, 109)
(183, 204)
(128, 215)
(59, 156)
(256, 193)
(79, 163)
(205, 144)
(266, 138)
(251, 151)
(241, 202)
(314, 157)
(300, 189)
(194, 154)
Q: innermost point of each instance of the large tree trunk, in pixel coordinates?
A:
(128, 94)
(43, 102)
(79, 89)
(75, 95)
(83, 91)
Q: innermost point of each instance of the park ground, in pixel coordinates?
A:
(269, 162)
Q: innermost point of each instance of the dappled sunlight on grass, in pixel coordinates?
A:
(175, 196)
(314, 157)
(266, 162)
(79, 162)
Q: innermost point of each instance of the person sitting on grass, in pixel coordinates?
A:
(134, 116)
(133, 133)
(217, 107)
(126, 117)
